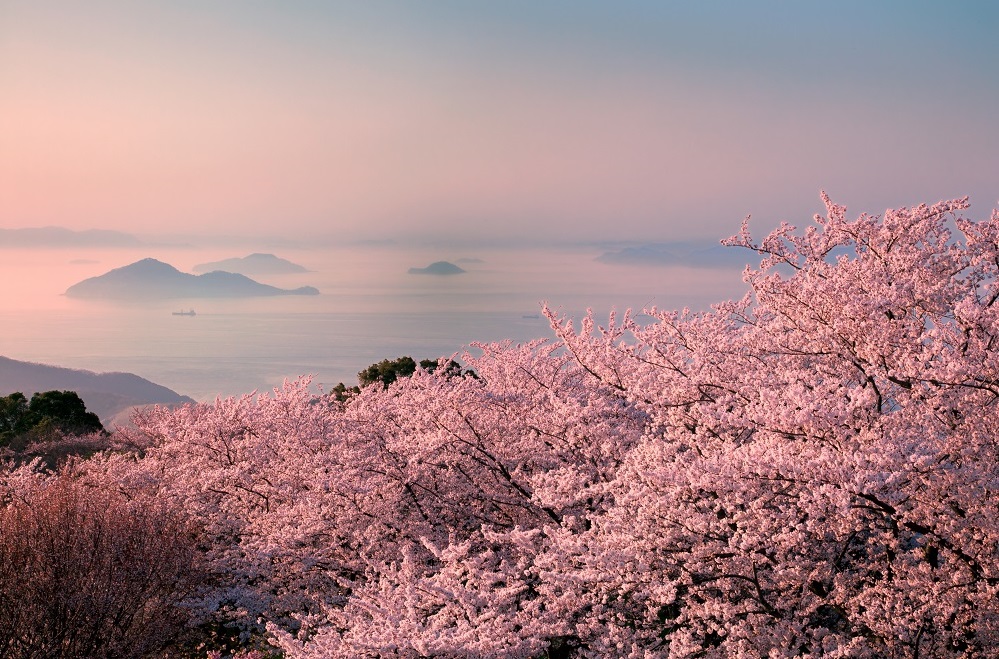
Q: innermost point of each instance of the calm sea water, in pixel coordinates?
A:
(370, 309)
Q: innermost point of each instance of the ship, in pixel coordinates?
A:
(184, 313)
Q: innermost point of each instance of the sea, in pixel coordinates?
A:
(369, 308)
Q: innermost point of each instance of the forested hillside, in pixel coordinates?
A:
(106, 394)
(808, 471)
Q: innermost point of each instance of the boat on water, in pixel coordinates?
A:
(184, 313)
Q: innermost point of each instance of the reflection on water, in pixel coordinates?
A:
(370, 309)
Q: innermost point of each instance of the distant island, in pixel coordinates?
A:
(152, 279)
(108, 395)
(254, 264)
(438, 268)
(62, 237)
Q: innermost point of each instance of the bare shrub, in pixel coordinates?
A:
(88, 573)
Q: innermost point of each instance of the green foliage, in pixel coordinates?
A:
(388, 371)
(66, 410)
(342, 392)
(13, 415)
(48, 415)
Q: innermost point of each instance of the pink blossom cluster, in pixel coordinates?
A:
(809, 471)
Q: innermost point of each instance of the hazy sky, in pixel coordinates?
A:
(518, 120)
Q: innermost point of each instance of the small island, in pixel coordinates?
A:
(440, 268)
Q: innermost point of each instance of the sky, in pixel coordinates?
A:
(524, 122)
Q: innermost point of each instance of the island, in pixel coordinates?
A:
(438, 268)
(254, 264)
(676, 254)
(152, 279)
(62, 237)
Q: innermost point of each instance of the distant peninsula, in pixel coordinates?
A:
(109, 395)
(152, 279)
(62, 237)
(254, 264)
(438, 268)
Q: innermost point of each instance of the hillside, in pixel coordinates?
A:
(150, 278)
(108, 395)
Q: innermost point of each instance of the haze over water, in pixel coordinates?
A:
(369, 309)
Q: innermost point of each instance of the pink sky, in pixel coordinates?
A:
(567, 122)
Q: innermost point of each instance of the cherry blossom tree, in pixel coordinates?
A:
(818, 474)
(808, 471)
(309, 502)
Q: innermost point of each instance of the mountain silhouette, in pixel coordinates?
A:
(107, 395)
(149, 278)
(254, 264)
(438, 268)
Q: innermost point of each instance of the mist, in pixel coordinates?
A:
(369, 308)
